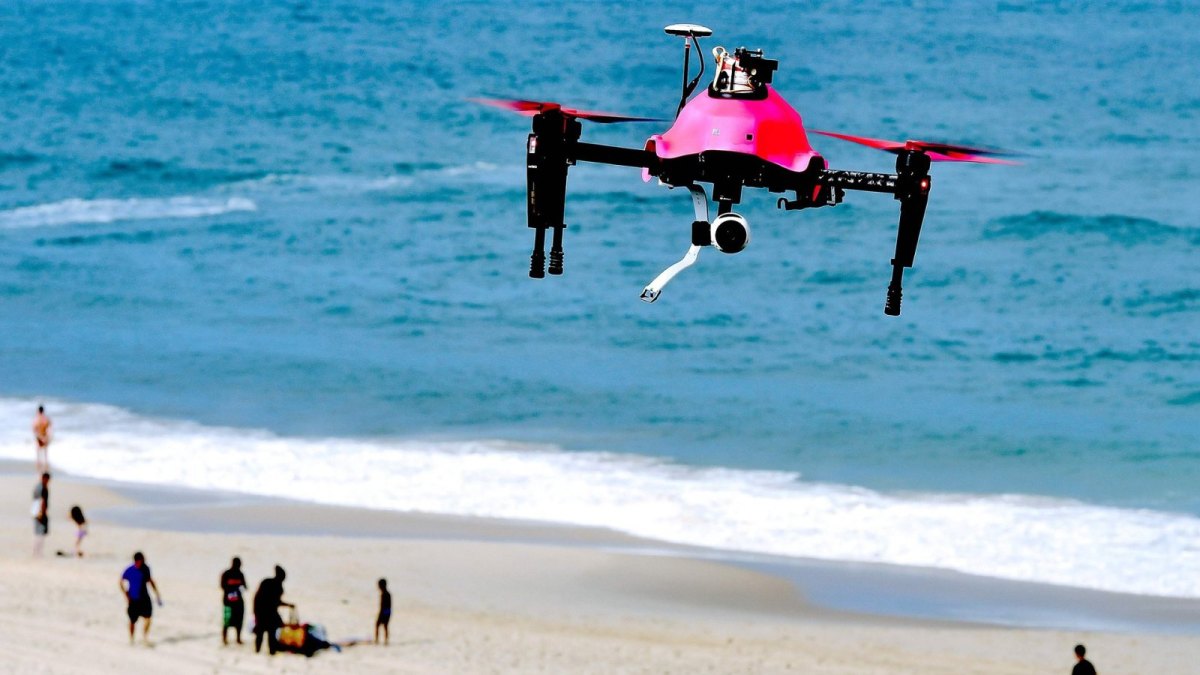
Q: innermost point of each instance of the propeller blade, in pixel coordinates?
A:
(938, 152)
(531, 108)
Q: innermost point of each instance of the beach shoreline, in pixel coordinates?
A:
(582, 594)
(879, 589)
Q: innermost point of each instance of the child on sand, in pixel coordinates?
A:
(385, 611)
(81, 529)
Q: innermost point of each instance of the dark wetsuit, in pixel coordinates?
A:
(1084, 667)
(232, 583)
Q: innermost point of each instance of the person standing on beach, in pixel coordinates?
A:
(135, 584)
(81, 529)
(40, 510)
(1084, 667)
(267, 601)
(385, 611)
(41, 434)
(233, 583)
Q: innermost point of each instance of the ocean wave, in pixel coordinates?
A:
(1008, 536)
(1158, 304)
(1148, 353)
(406, 175)
(16, 159)
(347, 184)
(1118, 229)
(1187, 399)
(170, 172)
(119, 237)
(78, 211)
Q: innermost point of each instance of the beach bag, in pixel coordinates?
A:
(301, 638)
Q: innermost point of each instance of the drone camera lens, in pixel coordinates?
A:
(731, 233)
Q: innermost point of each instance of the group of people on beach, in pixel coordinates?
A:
(267, 601)
(136, 581)
(40, 507)
(268, 624)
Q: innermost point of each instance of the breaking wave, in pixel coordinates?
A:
(1018, 537)
(79, 211)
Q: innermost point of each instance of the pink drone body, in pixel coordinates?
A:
(768, 128)
(737, 133)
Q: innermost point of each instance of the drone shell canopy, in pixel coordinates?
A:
(768, 128)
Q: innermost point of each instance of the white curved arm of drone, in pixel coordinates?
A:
(651, 292)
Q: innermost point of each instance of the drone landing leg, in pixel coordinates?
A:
(912, 190)
(700, 237)
(652, 290)
(546, 175)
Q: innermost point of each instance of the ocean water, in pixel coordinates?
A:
(271, 247)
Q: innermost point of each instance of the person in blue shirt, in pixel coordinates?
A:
(136, 583)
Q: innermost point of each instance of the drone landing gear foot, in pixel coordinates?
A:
(537, 265)
(556, 252)
(651, 292)
(537, 260)
(892, 306)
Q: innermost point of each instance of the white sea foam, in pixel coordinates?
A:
(1016, 537)
(74, 211)
(335, 183)
(469, 169)
(349, 184)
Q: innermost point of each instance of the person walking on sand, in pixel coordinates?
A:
(233, 584)
(40, 510)
(41, 434)
(267, 601)
(385, 611)
(135, 584)
(1084, 667)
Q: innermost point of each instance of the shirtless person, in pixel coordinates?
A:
(41, 433)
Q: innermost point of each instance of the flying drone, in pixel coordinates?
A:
(738, 133)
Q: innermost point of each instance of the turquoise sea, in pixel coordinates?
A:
(272, 247)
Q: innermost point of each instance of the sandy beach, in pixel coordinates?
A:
(475, 596)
